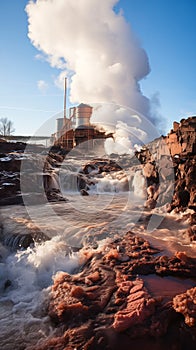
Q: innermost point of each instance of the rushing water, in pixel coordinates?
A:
(83, 221)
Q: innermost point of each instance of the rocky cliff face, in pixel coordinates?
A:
(170, 164)
(182, 138)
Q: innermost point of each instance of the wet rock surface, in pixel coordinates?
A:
(171, 161)
(21, 240)
(100, 166)
(55, 195)
(36, 174)
(184, 196)
(171, 178)
(185, 184)
(96, 168)
(107, 303)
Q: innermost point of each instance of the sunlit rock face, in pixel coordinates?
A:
(172, 163)
(181, 139)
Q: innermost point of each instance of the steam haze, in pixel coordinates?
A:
(94, 47)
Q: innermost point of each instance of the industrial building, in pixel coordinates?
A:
(76, 129)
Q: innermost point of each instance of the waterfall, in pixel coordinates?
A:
(68, 181)
(112, 183)
(53, 181)
(139, 184)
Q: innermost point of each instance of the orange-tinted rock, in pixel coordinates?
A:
(186, 304)
(139, 306)
(107, 306)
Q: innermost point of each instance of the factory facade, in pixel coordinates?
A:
(76, 129)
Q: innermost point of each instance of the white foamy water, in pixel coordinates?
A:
(109, 211)
(25, 279)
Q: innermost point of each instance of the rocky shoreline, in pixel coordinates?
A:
(119, 296)
(109, 303)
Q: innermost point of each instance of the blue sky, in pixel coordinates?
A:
(166, 30)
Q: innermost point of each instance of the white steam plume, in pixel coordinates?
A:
(96, 49)
(94, 46)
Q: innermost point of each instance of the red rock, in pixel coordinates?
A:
(139, 306)
(107, 306)
(186, 304)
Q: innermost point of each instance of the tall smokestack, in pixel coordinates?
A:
(65, 98)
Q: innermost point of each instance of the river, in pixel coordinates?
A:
(70, 229)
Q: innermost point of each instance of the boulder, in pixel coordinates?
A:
(83, 192)
(186, 305)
